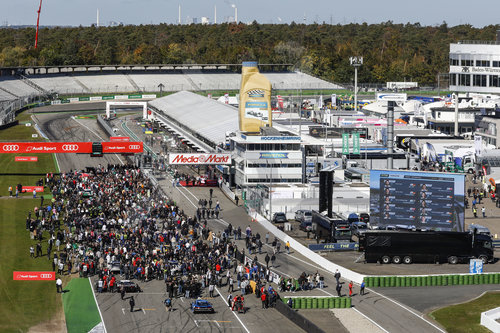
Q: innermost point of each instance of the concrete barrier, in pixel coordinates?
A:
(489, 319)
(314, 257)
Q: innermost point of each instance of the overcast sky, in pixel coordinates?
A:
(78, 12)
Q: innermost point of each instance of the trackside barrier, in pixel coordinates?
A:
(316, 258)
(489, 319)
(319, 302)
(297, 318)
(432, 280)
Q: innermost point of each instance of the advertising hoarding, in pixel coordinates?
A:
(200, 159)
(119, 139)
(26, 159)
(34, 276)
(68, 147)
(122, 147)
(423, 200)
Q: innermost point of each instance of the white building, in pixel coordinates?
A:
(475, 66)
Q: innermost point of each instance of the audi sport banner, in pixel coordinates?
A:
(46, 147)
(26, 159)
(122, 147)
(201, 159)
(34, 276)
(69, 147)
(30, 189)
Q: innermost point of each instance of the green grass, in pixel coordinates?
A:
(466, 317)
(79, 306)
(22, 303)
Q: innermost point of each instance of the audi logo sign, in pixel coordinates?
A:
(10, 148)
(200, 159)
(68, 147)
(34, 276)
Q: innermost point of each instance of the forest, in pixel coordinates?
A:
(391, 52)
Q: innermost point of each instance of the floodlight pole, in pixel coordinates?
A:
(356, 62)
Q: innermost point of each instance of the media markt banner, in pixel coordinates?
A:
(355, 143)
(345, 143)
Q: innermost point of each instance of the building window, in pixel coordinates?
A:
(454, 62)
(496, 63)
(464, 80)
(479, 80)
(494, 81)
(482, 63)
(453, 79)
(465, 62)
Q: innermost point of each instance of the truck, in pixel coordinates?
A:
(399, 246)
(332, 229)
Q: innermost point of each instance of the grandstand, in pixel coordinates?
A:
(130, 82)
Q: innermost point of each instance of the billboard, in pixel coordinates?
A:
(423, 200)
(34, 276)
(199, 159)
(68, 147)
(26, 159)
(255, 99)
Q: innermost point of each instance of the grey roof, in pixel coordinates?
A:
(200, 114)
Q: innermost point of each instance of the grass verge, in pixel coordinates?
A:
(466, 317)
(22, 303)
(80, 308)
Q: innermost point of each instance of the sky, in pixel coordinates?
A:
(79, 12)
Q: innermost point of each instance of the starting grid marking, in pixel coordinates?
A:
(138, 309)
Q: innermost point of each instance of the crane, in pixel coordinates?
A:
(37, 24)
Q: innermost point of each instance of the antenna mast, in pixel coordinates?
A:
(37, 24)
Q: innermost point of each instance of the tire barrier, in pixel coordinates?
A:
(319, 302)
(432, 280)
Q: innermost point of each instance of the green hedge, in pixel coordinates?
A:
(432, 280)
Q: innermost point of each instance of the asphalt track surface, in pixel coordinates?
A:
(392, 309)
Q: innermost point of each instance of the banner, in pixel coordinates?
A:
(355, 143)
(34, 276)
(334, 247)
(149, 96)
(118, 148)
(96, 98)
(69, 147)
(200, 159)
(30, 189)
(345, 143)
(26, 159)
(119, 139)
(45, 147)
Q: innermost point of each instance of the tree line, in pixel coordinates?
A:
(391, 52)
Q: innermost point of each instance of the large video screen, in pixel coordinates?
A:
(423, 200)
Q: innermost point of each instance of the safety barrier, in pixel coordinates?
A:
(432, 280)
(297, 318)
(322, 302)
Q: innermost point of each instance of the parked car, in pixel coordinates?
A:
(306, 226)
(359, 228)
(130, 287)
(279, 218)
(201, 305)
(303, 215)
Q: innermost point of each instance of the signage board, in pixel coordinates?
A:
(273, 155)
(123, 147)
(26, 159)
(355, 143)
(30, 189)
(199, 159)
(34, 276)
(391, 97)
(334, 247)
(119, 139)
(345, 143)
(34, 135)
(475, 266)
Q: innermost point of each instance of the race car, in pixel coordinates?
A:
(201, 305)
(130, 287)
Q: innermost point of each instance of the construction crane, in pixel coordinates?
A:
(37, 24)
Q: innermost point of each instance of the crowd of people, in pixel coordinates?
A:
(110, 221)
